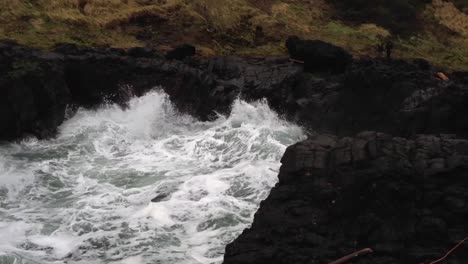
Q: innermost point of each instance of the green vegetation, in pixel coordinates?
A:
(435, 30)
(23, 67)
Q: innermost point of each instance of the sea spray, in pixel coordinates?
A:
(84, 196)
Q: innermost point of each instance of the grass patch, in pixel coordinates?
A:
(430, 48)
(243, 27)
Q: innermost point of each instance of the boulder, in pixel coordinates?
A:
(318, 56)
(140, 52)
(181, 52)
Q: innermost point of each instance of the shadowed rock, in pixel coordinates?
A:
(398, 97)
(318, 56)
(181, 52)
(34, 94)
(395, 96)
(37, 86)
(404, 198)
(160, 197)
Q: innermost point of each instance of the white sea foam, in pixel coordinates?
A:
(84, 197)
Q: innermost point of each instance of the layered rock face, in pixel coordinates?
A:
(33, 93)
(404, 198)
(37, 86)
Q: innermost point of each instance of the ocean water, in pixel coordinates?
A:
(85, 196)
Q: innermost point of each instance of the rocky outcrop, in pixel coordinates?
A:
(404, 198)
(33, 95)
(394, 96)
(181, 52)
(102, 74)
(37, 86)
(318, 56)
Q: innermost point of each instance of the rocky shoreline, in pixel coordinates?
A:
(401, 190)
(403, 198)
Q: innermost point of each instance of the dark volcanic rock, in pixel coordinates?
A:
(37, 86)
(394, 96)
(34, 94)
(93, 77)
(404, 198)
(318, 56)
(461, 77)
(201, 88)
(181, 52)
(141, 52)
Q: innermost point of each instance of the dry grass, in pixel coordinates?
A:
(223, 15)
(451, 17)
(240, 27)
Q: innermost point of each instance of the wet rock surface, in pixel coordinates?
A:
(404, 198)
(37, 86)
(33, 95)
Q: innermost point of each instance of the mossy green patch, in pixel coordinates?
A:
(21, 68)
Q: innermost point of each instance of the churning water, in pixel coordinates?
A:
(84, 197)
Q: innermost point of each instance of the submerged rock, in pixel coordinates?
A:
(404, 198)
(160, 197)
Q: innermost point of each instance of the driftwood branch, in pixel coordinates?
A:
(450, 252)
(356, 254)
(296, 61)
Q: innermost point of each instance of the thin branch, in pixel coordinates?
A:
(450, 252)
(296, 61)
(353, 255)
